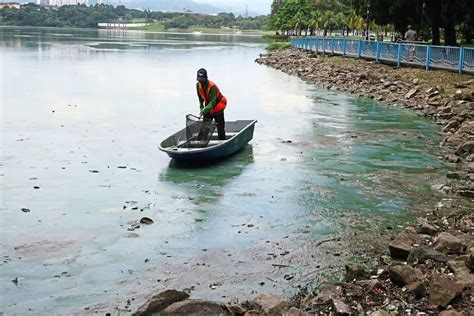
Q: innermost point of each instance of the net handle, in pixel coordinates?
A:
(193, 116)
(199, 119)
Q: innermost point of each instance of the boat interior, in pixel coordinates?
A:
(179, 139)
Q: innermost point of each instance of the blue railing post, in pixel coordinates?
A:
(344, 47)
(461, 60)
(428, 57)
(359, 48)
(377, 52)
(332, 46)
(399, 55)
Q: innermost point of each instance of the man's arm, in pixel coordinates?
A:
(212, 101)
(201, 101)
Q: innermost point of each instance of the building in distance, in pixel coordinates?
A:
(10, 5)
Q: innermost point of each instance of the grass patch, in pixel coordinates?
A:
(153, 27)
(276, 46)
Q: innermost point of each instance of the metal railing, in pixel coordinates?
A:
(460, 59)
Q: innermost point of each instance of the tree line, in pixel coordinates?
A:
(83, 16)
(434, 20)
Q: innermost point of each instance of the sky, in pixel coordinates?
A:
(260, 6)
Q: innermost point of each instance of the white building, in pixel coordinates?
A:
(59, 3)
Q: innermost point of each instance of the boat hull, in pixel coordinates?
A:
(219, 151)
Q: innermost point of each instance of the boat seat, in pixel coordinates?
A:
(227, 134)
(214, 143)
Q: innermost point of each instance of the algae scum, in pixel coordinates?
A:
(81, 121)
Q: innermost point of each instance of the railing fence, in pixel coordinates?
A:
(460, 59)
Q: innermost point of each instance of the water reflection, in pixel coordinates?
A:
(216, 173)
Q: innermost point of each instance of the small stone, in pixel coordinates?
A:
(422, 253)
(380, 312)
(417, 288)
(426, 228)
(403, 275)
(355, 271)
(340, 307)
(411, 93)
(272, 304)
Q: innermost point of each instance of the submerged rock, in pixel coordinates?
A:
(160, 301)
(196, 307)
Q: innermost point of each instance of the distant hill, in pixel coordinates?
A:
(166, 5)
(178, 6)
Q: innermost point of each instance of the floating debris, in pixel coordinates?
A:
(146, 221)
(25, 210)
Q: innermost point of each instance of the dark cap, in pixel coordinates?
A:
(202, 74)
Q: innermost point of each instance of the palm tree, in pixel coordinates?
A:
(315, 22)
(299, 23)
(327, 22)
(340, 22)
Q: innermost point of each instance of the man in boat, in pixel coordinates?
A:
(211, 102)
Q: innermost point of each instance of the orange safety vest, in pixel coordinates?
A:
(221, 101)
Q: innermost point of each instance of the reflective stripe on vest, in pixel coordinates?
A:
(221, 101)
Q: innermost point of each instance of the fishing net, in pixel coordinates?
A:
(198, 131)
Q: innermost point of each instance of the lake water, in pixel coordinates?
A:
(82, 114)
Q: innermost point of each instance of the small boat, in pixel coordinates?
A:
(238, 134)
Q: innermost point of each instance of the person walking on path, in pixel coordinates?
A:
(211, 102)
(410, 35)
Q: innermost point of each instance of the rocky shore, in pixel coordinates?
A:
(427, 268)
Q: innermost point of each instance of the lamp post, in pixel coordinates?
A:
(367, 21)
(422, 19)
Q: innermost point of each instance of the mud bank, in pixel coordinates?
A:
(428, 267)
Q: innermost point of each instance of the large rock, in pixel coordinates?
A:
(272, 304)
(450, 312)
(403, 275)
(449, 244)
(462, 272)
(294, 312)
(160, 301)
(422, 253)
(355, 271)
(401, 246)
(470, 260)
(196, 308)
(443, 290)
(465, 149)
